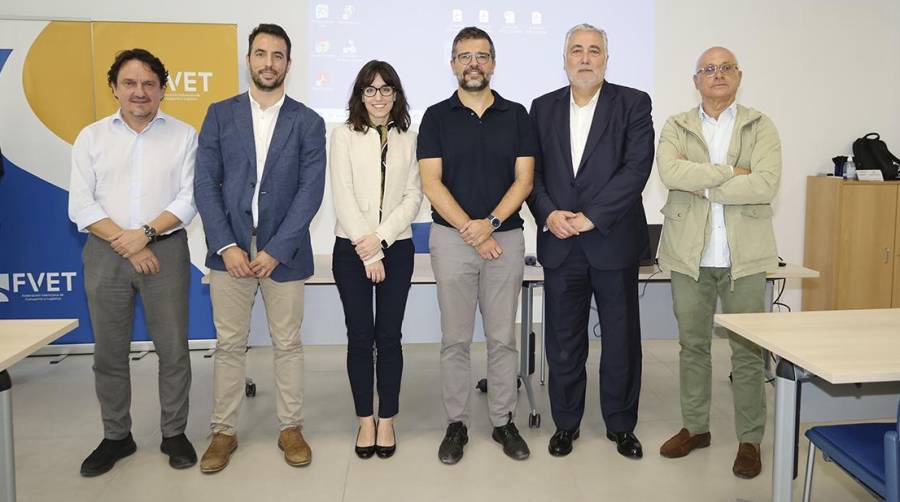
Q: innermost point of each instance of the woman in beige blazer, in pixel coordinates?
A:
(377, 194)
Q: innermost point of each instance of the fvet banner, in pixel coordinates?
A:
(53, 84)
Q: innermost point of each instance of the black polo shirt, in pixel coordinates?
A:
(478, 154)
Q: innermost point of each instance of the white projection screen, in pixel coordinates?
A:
(415, 37)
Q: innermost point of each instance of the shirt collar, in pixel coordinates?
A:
(275, 107)
(160, 117)
(498, 104)
(729, 112)
(590, 103)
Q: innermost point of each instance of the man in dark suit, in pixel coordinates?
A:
(596, 150)
(258, 182)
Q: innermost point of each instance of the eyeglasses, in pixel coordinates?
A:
(710, 70)
(385, 90)
(480, 58)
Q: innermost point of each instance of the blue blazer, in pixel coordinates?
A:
(290, 190)
(607, 186)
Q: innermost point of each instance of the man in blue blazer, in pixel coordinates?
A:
(258, 183)
(596, 150)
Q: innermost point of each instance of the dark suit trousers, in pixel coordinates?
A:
(568, 291)
(369, 332)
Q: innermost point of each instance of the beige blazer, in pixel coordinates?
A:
(355, 166)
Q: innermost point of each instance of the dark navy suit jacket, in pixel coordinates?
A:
(290, 190)
(607, 188)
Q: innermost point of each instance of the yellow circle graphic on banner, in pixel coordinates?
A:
(57, 78)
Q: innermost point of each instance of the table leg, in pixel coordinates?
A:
(785, 430)
(7, 454)
(526, 353)
(543, 334)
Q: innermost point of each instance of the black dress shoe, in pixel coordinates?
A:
(627, 444)
(363, 452)
(561, 442)
(451, 449)
(386, 451)
(513, 445)
(105, 456)
(180, 451)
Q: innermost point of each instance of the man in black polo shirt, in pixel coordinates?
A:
(476, 155)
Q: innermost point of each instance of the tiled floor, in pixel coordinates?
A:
(57, 424)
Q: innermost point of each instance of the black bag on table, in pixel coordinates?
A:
(869, 152)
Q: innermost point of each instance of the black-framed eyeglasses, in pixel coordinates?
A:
(711, 69)
(480, 57)
(385, 90)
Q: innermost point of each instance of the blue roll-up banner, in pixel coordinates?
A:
(41, 272)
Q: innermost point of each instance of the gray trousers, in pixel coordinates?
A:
(111, 285)
(466, 281)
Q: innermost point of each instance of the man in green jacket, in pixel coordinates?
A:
(722, 164)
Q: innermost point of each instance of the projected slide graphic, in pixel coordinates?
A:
(528, 36)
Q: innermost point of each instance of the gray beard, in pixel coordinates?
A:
(474, 86)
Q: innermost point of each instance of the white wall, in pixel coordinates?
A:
(825, 70)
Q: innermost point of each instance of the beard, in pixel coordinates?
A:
(263, 86)
(474, 85)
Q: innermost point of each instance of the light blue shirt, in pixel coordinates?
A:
(132, 177)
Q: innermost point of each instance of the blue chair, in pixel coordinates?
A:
(420, 232)
(868, 452)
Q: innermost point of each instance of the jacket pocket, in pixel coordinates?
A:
(363, 204)
(675, 210)
(754, 236)
(757, 211)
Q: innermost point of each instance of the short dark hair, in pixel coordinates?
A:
(359, 116)
(270, 29)
(142, 55)
(472, 33)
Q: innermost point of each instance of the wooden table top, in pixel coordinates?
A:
(840, 346)
(19, 338)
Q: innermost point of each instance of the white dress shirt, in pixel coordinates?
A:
(580, 118)
(717, 134)
(132, 177)
(263, 127)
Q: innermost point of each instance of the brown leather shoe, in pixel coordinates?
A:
(219, 452)
(683, 443)
(747, 463)
(296, 451)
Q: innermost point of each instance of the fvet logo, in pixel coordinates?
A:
(188, 85)
(36, 286)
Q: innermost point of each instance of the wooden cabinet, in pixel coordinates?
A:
(852, 235)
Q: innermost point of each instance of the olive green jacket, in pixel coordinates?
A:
(683, 162)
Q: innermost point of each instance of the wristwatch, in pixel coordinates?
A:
(494, 221)
(150, 232)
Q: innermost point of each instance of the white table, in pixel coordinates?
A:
(840, 346)
(18, 340)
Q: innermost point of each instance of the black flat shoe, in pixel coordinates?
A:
(105, 456)
(180, 451)
(451, 449)
(561, 442)
(627, 444)
(363, 452)
(386, 451)
(513, 445)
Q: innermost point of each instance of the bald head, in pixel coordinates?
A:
(717, 76)
(715, 53)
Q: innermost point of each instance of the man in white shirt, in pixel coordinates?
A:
(132, 190)
(722, 164)
(260, 179)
